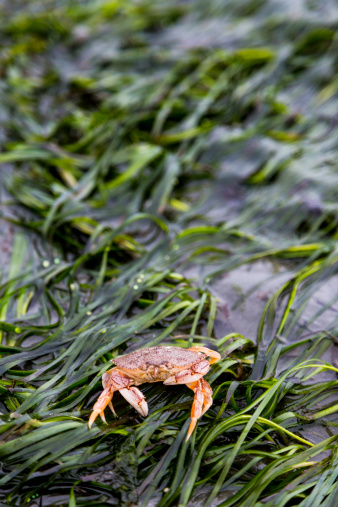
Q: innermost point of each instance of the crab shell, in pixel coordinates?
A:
(157, 363)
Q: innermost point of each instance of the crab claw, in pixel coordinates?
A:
(94, 415)
(136, 399)
(100, 405)
(202, 402)
(110, 405)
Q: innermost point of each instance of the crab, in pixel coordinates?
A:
(170, 365)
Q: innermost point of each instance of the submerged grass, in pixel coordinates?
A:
(155, 156)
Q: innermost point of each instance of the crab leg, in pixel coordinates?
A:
(214, 356)
(112, 381)
(106, 383)
(104, 398)
(110, 405)
(193, 378)
(202, 401)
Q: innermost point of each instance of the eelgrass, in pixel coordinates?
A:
(144, 177)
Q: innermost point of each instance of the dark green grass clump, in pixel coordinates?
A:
(169, 176)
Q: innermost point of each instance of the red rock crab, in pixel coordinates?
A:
(170, 365)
